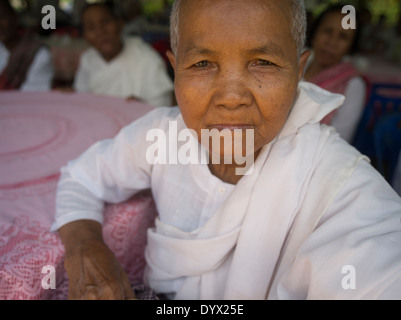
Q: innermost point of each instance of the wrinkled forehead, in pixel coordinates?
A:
(282, 7)
(259, 18)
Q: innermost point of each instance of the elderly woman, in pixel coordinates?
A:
(308, 209)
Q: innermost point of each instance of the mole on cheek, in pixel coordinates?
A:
(259, 82)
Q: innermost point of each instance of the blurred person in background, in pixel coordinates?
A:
(329, 68)
(122, 67)
(25, 63)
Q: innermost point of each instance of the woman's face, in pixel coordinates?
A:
(230, 77)
(102, 31)
(331, 41)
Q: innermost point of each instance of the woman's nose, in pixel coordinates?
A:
(332, 41)
(231, 89)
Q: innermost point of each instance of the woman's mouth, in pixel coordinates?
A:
(231, 126)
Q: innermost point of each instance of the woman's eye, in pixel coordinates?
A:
(202, 64)
(262, 62)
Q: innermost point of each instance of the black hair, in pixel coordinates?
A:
(335, 9)
(108, 5)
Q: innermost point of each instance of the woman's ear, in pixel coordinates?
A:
(171, 57)
(302, 63)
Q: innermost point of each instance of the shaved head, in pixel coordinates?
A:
(298, 17)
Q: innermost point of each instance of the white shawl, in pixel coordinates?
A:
(235, 254)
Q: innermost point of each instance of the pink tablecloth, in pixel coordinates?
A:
(39, 133)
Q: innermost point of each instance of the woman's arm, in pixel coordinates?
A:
(93, 270)
(110, 171)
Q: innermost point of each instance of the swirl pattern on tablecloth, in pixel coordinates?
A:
(25, 248)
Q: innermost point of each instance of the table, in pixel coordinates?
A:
(40, 133)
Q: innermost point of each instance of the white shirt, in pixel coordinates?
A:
(138, 71)
(348, 115)
(363, 218)
(40, 73)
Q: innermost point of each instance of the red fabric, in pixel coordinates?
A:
(335, 79)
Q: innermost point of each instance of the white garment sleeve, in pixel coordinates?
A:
(81, 80)
(75, 202)
(110, 171)
(40, 73)
(347, 117)
(354, 252)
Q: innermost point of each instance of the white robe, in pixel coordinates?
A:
(40, 73)
(312, 209)
(138, 71)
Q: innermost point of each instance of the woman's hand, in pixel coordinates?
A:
(93, 271)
